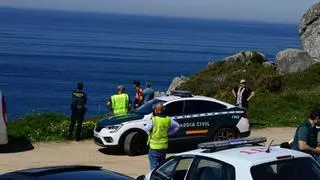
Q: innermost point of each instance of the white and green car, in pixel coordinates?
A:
(237, 159)
(201, 119)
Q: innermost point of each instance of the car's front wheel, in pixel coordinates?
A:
(225, 133)
(135, 144)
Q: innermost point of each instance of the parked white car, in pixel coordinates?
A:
(239, 159)
(3, 121)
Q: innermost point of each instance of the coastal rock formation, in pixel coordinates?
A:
(248, 57)
(293, 60)
(159, 93)
(310, 31)
(176, 82)
(269, 64)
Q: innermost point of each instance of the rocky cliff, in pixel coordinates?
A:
(176, 82)
(293, 60)
(310, 31)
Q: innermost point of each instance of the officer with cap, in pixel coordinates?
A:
(243, 94)
(120, 102)
(78, 108)
(159, 128)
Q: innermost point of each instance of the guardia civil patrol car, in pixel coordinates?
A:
(201, 119)
(239, 159)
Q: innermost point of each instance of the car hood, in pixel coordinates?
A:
(119, 119)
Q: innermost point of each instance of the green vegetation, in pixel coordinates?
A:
(47, 127)
(280, 100)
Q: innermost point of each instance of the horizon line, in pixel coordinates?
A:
(156, 16)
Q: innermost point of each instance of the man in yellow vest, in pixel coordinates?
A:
(119, 103)
(159, 128)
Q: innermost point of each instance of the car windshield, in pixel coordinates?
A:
(147, 107)
(293, 169)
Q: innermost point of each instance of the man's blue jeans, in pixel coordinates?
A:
(156, 157)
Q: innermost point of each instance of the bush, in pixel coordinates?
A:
(257, 58)
(47, 127)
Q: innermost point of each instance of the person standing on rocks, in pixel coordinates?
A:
(243, 94)
(78, 108)
(148, 93)
(139, 94)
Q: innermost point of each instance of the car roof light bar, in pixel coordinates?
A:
(181, 93)
(232, 143)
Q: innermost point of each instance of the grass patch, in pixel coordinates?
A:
(47, 127)
(280, 100)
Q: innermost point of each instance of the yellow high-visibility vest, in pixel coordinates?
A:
(120, 104)
(158, 138)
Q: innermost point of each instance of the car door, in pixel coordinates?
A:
(175, 168)
(175, 111)
(199, 117)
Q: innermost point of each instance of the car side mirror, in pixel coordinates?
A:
(142, 177)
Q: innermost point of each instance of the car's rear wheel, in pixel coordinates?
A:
(225, 133)
(135, 144)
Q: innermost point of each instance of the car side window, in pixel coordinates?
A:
(182, 168)
(210, 169)
(165, 171)
(174, 108)
(174, 169)
(201, 106)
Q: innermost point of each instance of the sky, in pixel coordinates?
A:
(261, 10)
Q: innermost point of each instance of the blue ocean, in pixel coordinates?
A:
(43, 54)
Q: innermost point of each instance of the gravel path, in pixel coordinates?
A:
(87, 153)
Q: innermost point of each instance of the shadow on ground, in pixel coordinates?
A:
(16, 145)
(112, 151)
(173, 148)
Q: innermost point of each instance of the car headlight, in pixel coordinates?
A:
(114, 128)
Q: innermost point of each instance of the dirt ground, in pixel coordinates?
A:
(87, 153)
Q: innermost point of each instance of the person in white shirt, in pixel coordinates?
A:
(243, 94)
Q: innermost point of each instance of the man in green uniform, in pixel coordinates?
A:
(78, 108)
(305, 138)
(120, 102)
(160, 128)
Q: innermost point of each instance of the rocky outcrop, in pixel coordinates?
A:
(176, 82)
(248, 57)
(159, 93)
(269, 64)
(310, 31)
(293, 60)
